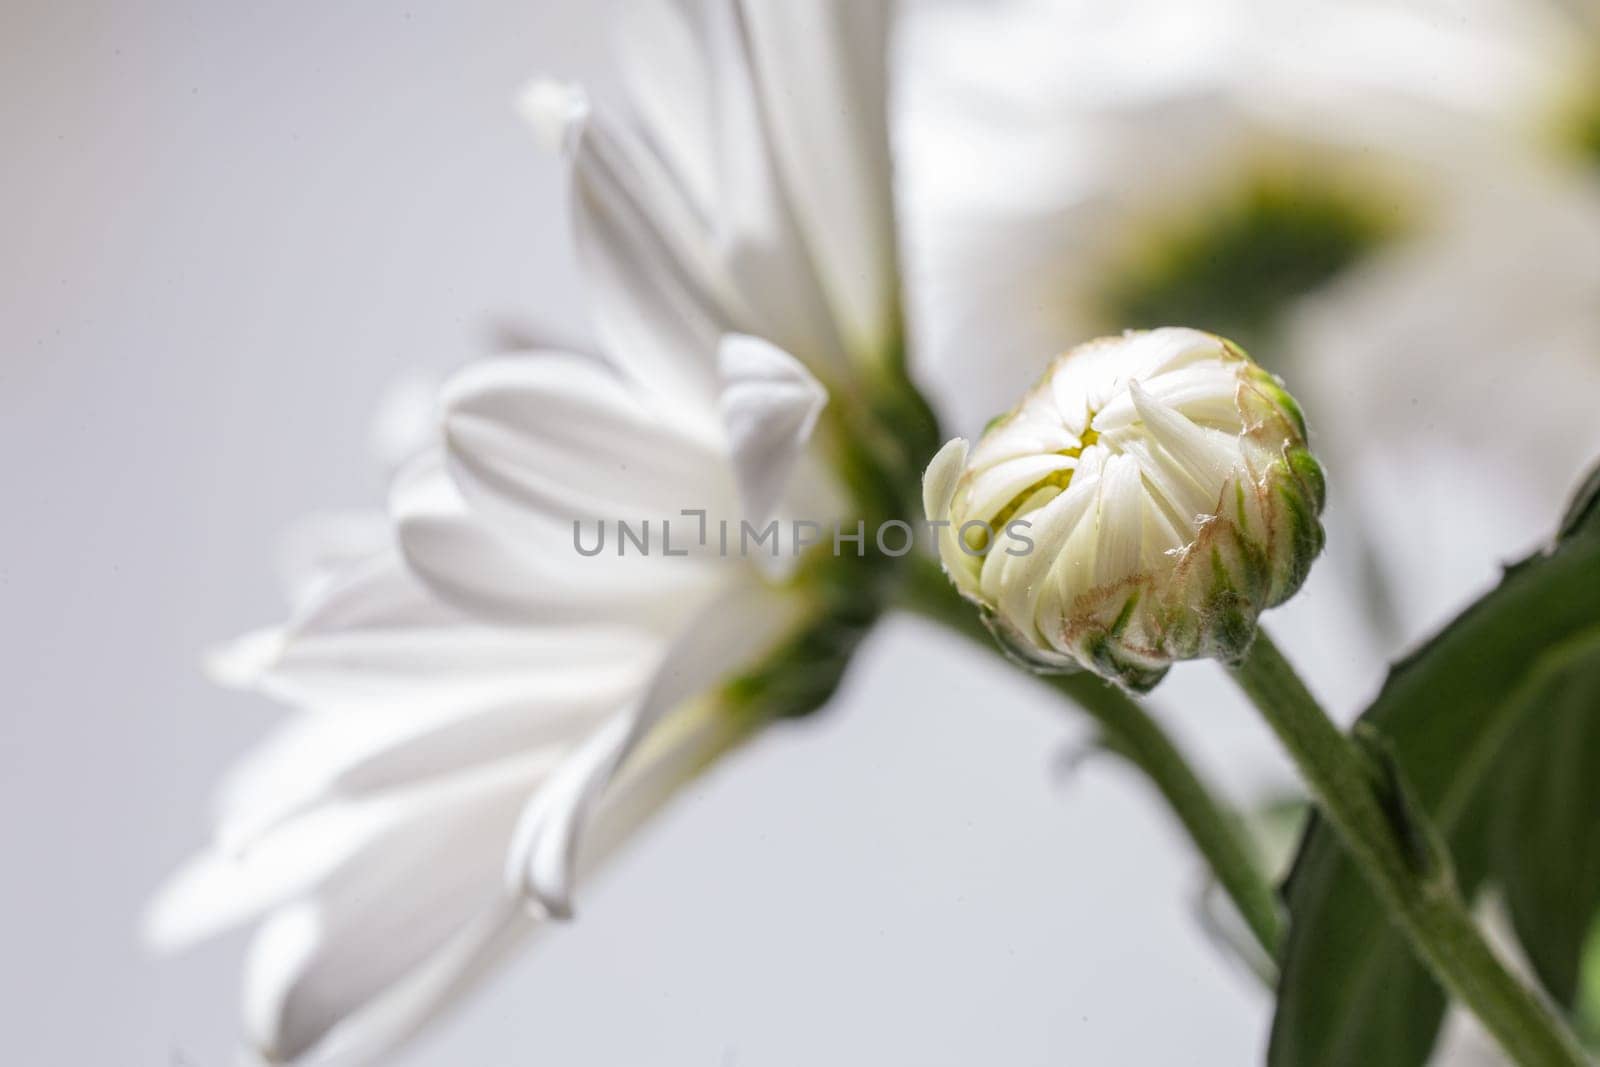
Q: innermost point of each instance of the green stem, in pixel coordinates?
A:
(1404, 860)
(1129, 730)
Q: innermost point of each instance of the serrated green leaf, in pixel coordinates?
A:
(1351, 994)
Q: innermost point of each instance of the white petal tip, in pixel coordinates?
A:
(554, 110)
(281, 951)
(548, 907)
(240, 663)
(770, 404)
(544, 894)
(196, 902)
(939, 480)
(407, 419)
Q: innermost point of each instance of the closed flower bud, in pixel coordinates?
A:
(1142, 504)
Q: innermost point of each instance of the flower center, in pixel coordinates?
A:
(1583, 131)
(1236, 269)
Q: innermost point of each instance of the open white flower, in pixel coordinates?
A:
(486, 711)
(1142, 504)
(437, 744)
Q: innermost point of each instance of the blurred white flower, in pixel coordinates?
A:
(486, 711)
(1364, 194)
(1142, 504)
(1224, 157)
(1502, 317)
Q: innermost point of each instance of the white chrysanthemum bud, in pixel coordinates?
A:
(1142, 504)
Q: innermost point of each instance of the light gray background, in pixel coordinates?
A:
(225, 229)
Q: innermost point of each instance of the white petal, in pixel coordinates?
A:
(1207, 456)
(820, 70)
(994, 488)
(240, 663)
(1120, 521)
(939, 484)
(217, 890)
(339, 843)
(378, 641)
(320, 756)
(1052, 527)
(480, 566)
(1206, 394)
(406, 420)
(401, 909)
(999, 564)
(685, 743)
(702, 96)
(555, 111)
(646, 258)
(742, 624)
(1038, 426)
(540, 864)
(770, 403)
(467, 561)
(358, 966)
(939, 480)
(1173, 491)
(539, 442)
(370, 1034)
(766, 258)
(663, 58)
(1165, 351)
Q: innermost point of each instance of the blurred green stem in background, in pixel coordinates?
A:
(1358, 789)
(1127, 729)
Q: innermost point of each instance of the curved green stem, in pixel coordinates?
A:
(1360, 793)
(1130, 731)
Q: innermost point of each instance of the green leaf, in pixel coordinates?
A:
(1469, 718)
(1546, 850)
(1588, 1007)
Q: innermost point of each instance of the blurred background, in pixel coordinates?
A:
(227, 230)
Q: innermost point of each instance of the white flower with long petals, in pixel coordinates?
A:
(487, 711)
(540, 445)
